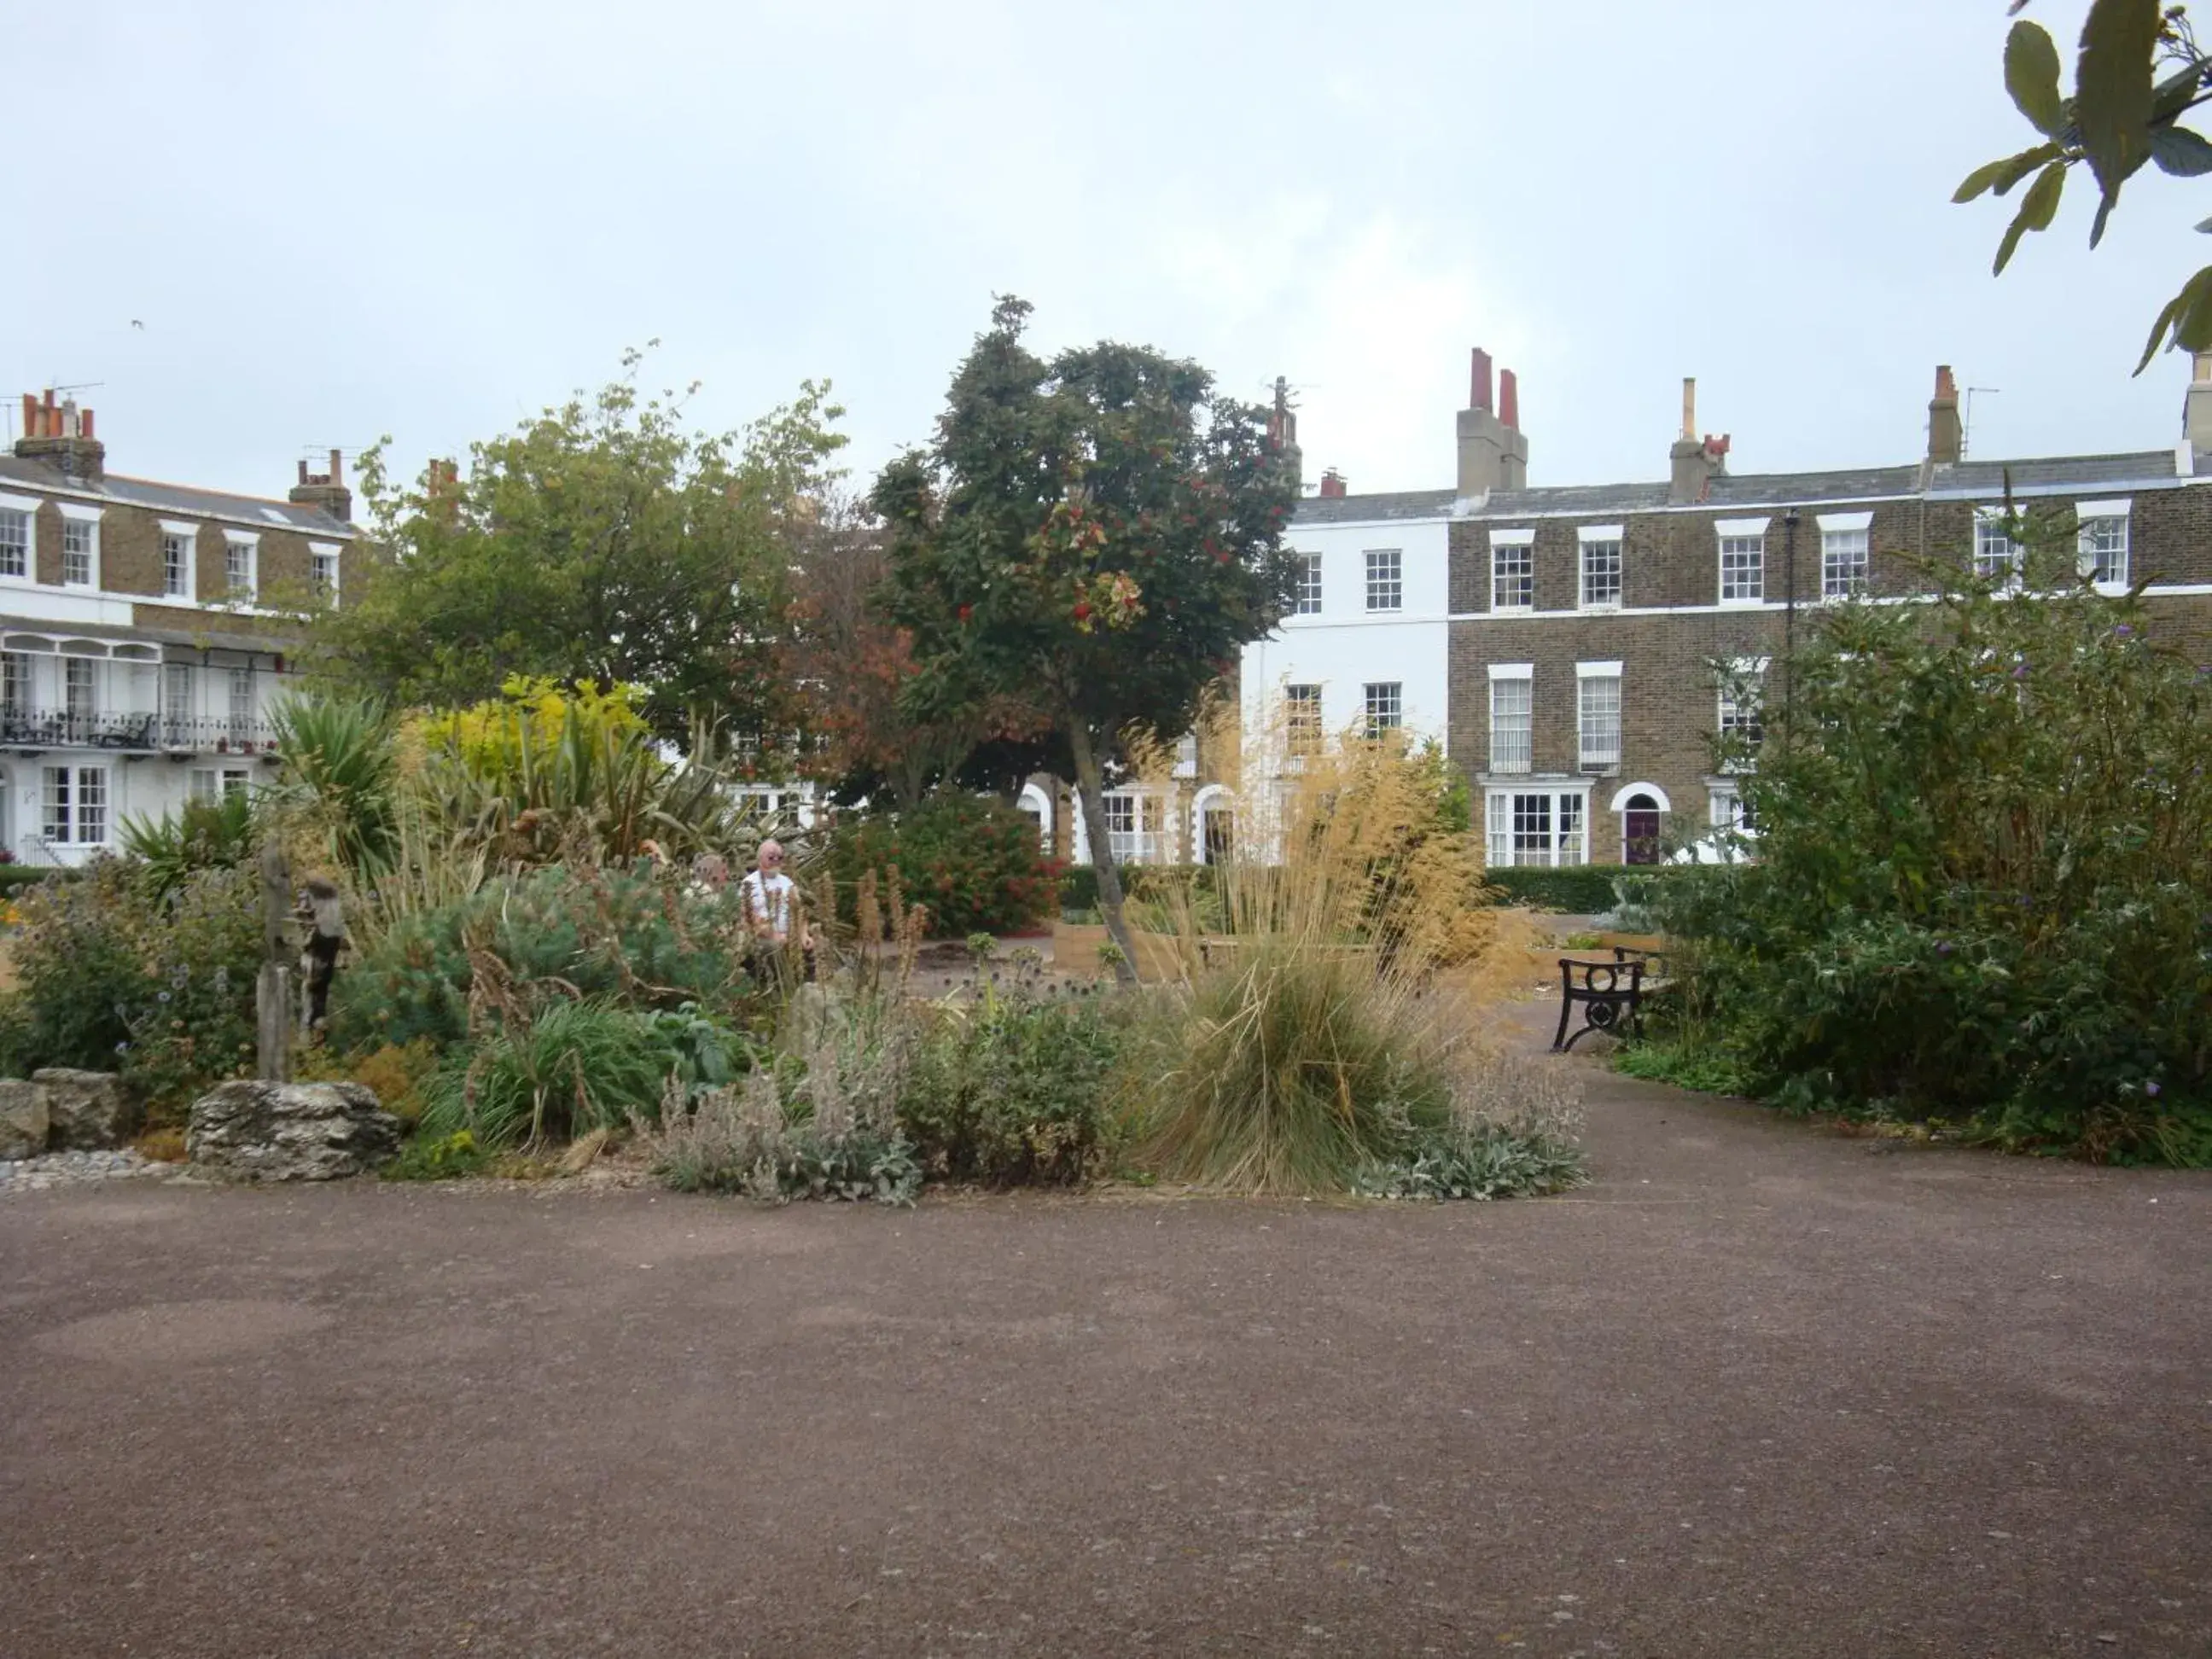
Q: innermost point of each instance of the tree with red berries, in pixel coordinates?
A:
(1100, 535)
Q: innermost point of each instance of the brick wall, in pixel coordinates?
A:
(1671, 559)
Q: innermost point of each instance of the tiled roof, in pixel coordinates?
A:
(1981, 480)
(1366, 509)
(174, 498)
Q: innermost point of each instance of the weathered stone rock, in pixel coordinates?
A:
(88, 1110)
(256, 1131)
(23, 1119)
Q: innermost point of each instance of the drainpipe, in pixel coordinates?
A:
(1789, 521)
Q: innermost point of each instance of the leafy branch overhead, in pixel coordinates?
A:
(2138, 72)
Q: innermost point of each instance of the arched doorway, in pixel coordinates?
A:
(1642, 808)
(1213, 814)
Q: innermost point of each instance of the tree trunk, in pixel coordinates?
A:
(1091, 790)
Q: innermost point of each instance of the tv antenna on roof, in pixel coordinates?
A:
(1966, 427)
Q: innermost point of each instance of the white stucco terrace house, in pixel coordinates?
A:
(146, 629)
(1367, 647)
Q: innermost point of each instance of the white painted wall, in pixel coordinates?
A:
(1345, 646)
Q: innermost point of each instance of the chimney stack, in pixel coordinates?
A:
(2197, 408)
(1492, 453)
(61, 433)
(1945, 437)
(1332, 485)
(326, 490)
(1694, 462)
(1283, 434)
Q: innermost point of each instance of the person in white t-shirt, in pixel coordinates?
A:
(771, 901)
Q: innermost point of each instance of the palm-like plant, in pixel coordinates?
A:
(342, 775)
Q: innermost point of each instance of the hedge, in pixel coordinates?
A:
(1583, 889)
(1079, 882)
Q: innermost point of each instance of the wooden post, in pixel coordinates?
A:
(272, 990)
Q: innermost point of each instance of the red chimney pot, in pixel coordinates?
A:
(1509, 400)
(84, 424)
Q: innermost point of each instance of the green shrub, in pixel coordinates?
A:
(573, 1067)
(1578, 890)
(114, 977)
(606, 933)
(973, 860)
(81, 974)
(748, 1139)
(1011, 1092)
(203, 949)
(442, 1158)
(1982, 893)
(1478, 1161)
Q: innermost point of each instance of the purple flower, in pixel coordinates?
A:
(2020, 672)
(2151, 1088)
(1942, 947)
(2124, 631)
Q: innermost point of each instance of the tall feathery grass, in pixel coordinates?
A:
(1332, 1031)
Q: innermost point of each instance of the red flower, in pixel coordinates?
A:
(966, 612)
(1082, 609)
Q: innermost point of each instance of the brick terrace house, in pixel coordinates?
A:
(1581, 623)
(144, 630)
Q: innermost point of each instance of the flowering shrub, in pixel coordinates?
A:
(112, 977)
(973, 860)
(1983, 892)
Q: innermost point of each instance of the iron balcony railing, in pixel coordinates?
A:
(26, 726)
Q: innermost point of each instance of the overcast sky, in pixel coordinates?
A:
(430, 221)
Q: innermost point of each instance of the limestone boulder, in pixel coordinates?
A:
(254, 1131)
(23, 1119)
(89, 1110)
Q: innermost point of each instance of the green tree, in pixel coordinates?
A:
(1100, 534)
(2140, 71)
(601, 542)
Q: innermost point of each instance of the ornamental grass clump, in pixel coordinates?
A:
(564, 1072)
(1326, 1043)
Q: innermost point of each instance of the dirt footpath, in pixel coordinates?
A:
(1758, 1392)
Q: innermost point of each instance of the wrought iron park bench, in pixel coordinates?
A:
(1610, 993)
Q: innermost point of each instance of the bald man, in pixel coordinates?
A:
(769, 895)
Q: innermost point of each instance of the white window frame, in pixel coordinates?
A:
(1502, 763)
(83, 520)
(1588, 538)
(1989, 532)
(1136, 825)
(65, 807)
(242, 567)
(238, 707)
(2088, 512)
(1730, 715)
(179, 714)
(1724, 807)
(28, 506)
(319, 555)
(1386, 578)
(1310, 589)
(1302, 725)
(1186, 755)
(1521, 546)
(1509, 826)
(16, 699)
(1384, 705)
(1593, 683)
(1728, 537)
(189, 536)
(1846, 570)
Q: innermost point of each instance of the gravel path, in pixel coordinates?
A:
(1760, 1391)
